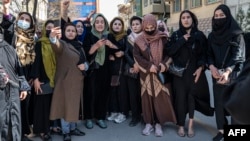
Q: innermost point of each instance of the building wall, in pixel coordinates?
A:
(204, 14)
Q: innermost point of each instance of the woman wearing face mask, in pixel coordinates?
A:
(70, 62)
(43, 72)
(151, 57)
(97, 46)
(188, 49)
(226, 51)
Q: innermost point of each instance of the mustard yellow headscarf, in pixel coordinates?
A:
(48, 56)
(118, 36)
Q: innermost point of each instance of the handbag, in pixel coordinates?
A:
(128, 73)
(115, 79)
(161, 77)
(176, 70)
(46, 89)
(232, 76)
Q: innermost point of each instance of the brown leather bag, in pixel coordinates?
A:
(115, 80)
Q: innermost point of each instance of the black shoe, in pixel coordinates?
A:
(134, 122)
(77, 132)
(46, 137)
(66, 137)
(24, 138)
(218, 137)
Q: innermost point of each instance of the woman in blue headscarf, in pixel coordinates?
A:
(81, 30)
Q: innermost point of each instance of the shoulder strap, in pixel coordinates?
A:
(225, 57)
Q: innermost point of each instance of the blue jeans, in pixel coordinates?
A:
(67, 126)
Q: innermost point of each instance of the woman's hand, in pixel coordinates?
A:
(214, 71)
(162, 67)
(65, 4)
(37, 86)
(153, 69)
(81, 67)
(110, 44)
(119, 54)
(23, 95)
(186, 36)
(136, 68)
(56, 33)
(6, 3)
(224, 78)
(111, 57)
(197, 74)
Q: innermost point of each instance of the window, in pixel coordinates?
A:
(195, 3)
(211, 1)
(145, 3)
(186, 4)
(177, 5)
(157, 1)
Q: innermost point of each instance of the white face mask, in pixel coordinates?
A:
(23, 24)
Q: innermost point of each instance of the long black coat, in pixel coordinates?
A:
(195, 51)
(237, 97)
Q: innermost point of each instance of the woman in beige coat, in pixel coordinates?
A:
(70, 67)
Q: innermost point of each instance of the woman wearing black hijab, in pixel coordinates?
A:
(226, 50)
(188, 49)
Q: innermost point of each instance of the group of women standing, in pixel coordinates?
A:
(86, 72)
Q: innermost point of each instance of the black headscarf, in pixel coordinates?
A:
(194, 27)
(75, 43)
(220, 34)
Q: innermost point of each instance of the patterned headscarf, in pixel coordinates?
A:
(153, 41)
(25, 42)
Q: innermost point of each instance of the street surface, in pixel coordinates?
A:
(205, 129)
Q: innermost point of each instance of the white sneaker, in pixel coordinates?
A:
(158, 130)
(112, 116)
(148, 129)
(120, 118)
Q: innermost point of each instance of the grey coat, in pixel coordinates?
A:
(10, 114)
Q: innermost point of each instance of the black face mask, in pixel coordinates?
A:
(150, 32)
(162, 29)
(48, 33)
(220, 22)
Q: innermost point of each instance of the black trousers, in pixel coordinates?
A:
(134, 92)
(118, 97)
(183, 98)
(220, 114)
(96, 94)
(25, 115)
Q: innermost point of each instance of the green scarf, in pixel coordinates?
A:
(100, 55)
(49, 60)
